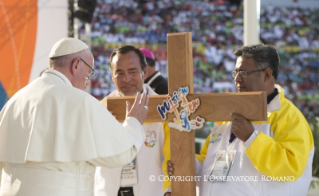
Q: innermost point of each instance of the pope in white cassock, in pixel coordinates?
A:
(53, 134)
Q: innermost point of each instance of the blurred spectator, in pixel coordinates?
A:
(154, 78)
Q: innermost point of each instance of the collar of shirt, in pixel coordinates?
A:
(272, 96)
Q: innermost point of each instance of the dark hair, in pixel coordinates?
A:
(125, 49)
(150, 62)
(264, 55)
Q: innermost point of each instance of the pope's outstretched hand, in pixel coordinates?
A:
(139, 109)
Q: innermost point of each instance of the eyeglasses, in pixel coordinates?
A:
(93, 73)
(244, 74)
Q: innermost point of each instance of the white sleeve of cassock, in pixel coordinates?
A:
(136, 131)
(1, 166)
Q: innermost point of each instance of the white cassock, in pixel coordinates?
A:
(52, 136)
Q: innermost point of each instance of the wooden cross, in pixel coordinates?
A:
(214, 107)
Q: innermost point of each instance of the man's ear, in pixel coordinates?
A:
(113, 78)
(112, 74)
(75, 66)
(267, 74)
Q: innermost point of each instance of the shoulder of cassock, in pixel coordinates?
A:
(49, 120)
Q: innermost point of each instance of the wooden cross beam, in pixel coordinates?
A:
(213, 107)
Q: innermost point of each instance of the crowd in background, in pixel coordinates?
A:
(217, 30)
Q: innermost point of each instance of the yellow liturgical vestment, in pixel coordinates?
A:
(52, 136)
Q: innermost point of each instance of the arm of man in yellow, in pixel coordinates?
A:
(167, 155)
(287, 153)
(201, 157)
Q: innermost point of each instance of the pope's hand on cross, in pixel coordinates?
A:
(139, 109)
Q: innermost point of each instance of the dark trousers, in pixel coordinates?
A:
(125, 191)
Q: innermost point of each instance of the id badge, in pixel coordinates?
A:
(223, 161)
(129, 174)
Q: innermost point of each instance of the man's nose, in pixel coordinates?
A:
(238, 78)
(126, 78)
